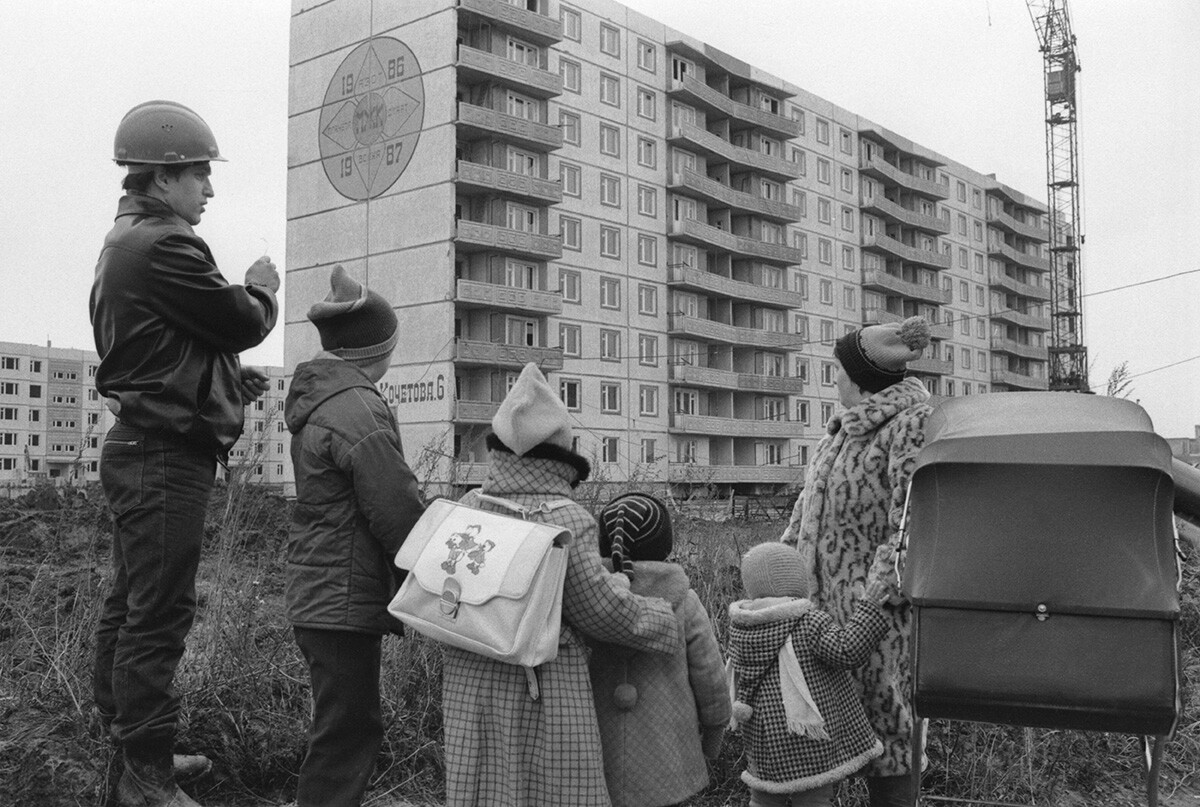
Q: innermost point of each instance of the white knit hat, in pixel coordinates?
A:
(532, 413)
(772, 569)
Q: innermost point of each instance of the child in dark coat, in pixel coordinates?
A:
(802, 722)
(660, 715)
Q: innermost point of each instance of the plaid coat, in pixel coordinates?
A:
(781, 761)
(851, 503)
(652, 751)
(503, 748)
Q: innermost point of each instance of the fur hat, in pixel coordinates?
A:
(773, 569)
(531, 414)
(877, 356)
(635, 526)
(354, 323)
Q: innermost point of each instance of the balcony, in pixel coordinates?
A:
(711, 284)
(707, 236)
(879, 280)
(486, 179)
(474, 236)
(733, 427)
(999, 280)
(896, 249)
(685, 473)
(707, 329)
(928, 366)
(492, 354)
(1012, 346)
(1003, 221)
(474, 412)
(532, 26)
(719, 195)
(468, 473)
(700, 94)
(1012, 255)
(478, 121)
(1037, 323)
(1017, 380)
(882, 206)
(476, 294)
(692, 375)
(479, 65)
(720, 150)
(877, 316)
(889, 174)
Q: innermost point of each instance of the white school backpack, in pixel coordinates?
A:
(486, 582)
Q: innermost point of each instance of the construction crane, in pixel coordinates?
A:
(1068, 355)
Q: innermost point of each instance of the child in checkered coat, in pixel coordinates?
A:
(802, 721)
(661, 716)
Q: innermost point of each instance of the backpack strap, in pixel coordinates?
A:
(543, 509)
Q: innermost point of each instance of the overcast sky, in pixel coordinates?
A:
(962, 77)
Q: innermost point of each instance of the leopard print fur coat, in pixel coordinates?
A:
(851, 503)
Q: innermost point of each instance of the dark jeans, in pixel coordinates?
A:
(891, 791)
(347, 723)
(157, 490)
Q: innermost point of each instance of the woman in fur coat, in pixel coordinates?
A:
(851, 504)
(503, 746)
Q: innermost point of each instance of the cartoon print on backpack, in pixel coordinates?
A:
(465, 543)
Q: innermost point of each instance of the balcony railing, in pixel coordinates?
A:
(998, 279)
(892, 211)
(712, 284)
(532, 26)
(931, 366)
(486, 122)
(467, 351)
(684, 472)
(1004, 221)
(479, 65)
(880, 280)
(474, 236)
(725, 196)
(724, 151)
(1017, 380)
(706, 235)
(885, 172)
(1012, 255)
(475, 411)
(727, 379)
(732, 427)
(898, 249)
(683, 325)
(1010, 316)
(705, 96)
(474, 293)
(1001, 344)
(485, 177)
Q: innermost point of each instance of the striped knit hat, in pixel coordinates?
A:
(354, 323)
(635, 526)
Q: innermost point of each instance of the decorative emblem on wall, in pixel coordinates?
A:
(371, 118)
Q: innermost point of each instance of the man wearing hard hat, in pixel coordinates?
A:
(168, 328)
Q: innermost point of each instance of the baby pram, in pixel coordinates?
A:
(1042, 566)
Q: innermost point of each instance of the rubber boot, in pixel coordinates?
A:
(148, 781)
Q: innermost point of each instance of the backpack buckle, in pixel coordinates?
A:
(451, 592)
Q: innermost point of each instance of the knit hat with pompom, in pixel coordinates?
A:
(877, 356)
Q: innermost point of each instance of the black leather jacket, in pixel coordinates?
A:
(168, 327)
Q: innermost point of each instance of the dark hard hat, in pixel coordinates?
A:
(163, 133)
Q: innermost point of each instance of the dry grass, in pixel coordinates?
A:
(245, 688)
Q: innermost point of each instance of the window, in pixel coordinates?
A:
(979, 328)
(827, 292)
(802, 369)
(828, 374)
(647, 57)
(964, 357)
(846, 141)
(10, 388)
(524, 52)
(848, 219)
(648, 452)
(822, 131)
(962, 191)
(849, 301)
(35, 391)
(647, 153)
(964, 291)
(826, 331)
(825, 250)
(517, 274)
(522, 331)
(824, 211)
(847, 257)
(798, 117)
(976, 199)
(647, 200)
(570, 229)
(521, 106)
(568, 390)
(801, 325)
(685, 401)
(568, 339)
(569, 176)
(681, 67)
(608, 449)
(826, 412)
(981, 356)
(648, 350)
(962, 258)
(10, 413)
(962, 223)
(646, 106)
(610, 345)
(685, 452)
(572, 23)
(979, 295)
(978, 230)
(610, 89)
(570, 72)
(964, 325)
(647, 300)
(10, 363)
(35, 366)
(847, 180)
(610, 190)
(802, 414)
(978, 263)
(610, 140)
(610, 397)
(648, 400)
(647, 250)
(610, 40)
(823, 170)
(800, 158)
(569, 123)
(522, 218)
(610, 242)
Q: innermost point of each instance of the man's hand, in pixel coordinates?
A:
(263, 273)
(254, 383)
